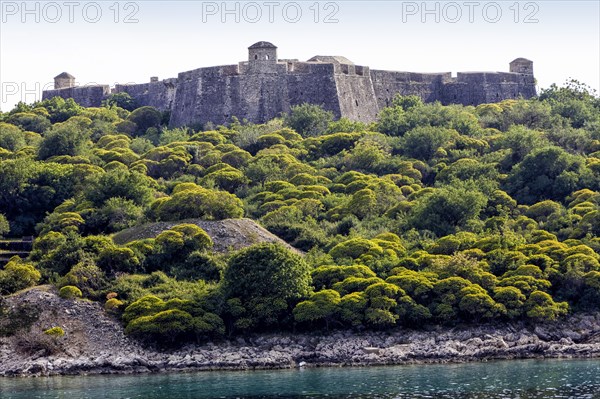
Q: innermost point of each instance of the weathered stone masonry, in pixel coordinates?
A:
(264, 86)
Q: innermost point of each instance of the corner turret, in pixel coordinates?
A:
(522, 65)
(262, 51)
(64, 81)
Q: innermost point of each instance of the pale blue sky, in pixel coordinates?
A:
(562, 38)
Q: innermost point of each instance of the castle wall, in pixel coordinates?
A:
(262, 96)
(87, 96)
(387, 84)
(215, 94)
(159, 95)
(474, 88)
(315, 84)
(356, 95)
(264, 87)
(194, 90)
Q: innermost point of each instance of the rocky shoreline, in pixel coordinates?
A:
(94, 343)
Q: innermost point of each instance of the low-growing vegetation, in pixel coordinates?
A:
(431, 215)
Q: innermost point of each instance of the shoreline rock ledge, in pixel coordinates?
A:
(94, 343)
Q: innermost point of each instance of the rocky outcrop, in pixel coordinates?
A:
(94, 343)
(227, 234)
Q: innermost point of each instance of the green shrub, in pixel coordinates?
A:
(69, 292)
(55, 332)
(4, 226)
(113, 304)
(267, 278)
(18, 275)
(308, 119)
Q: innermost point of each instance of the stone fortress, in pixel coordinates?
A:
(265, 86)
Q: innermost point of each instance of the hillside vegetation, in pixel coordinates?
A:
(430, 215)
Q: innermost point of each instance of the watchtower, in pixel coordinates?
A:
(262, 52)
(522, 65)
(64, 81)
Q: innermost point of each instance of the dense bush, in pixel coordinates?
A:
(308, 119)
(4, 226)
(69, 292)
(18, 275)
(265, 281)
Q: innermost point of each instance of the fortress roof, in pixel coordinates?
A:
(64, 75)
(332, 59)
(520, 60)
(262, 45)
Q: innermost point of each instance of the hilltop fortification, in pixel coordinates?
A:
(264, 86)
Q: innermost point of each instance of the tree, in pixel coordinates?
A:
(199, 203)
(11, 137)
(368, 153)
(392, 121)
(118, 214)
(363, 203)
(521, 141)
(60, 109)
(229, 179)
(423, 142)
(199, 265)
(122, 100)
(446, 209)
(382, 301)
(417, 285)
(266, 274)
(477, 304)
(124, 184)
(114, 260)
(512, 299)
(64, 139)
(145, 118)
(547, 173)
(321, 306)
(346, 125)
(30, 122)
(407, 102)
(355, 284)
(532, 114)
(171, 250)
(574, 100)
(447, 298)
(308, 119)
(29, 190)
(267, 270)
(540, 306)
(332, 144)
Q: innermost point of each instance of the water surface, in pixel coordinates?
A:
(516, 379)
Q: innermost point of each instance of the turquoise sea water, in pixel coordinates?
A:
(518, 379)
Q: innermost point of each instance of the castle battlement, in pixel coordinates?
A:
(264, 86)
